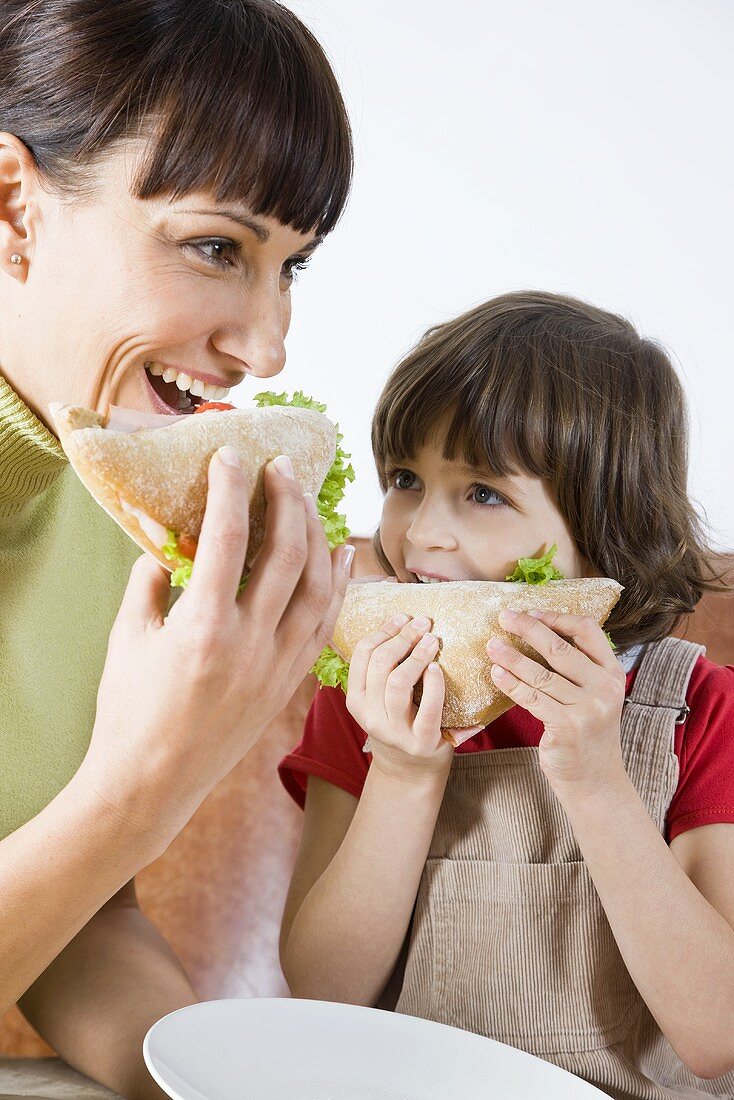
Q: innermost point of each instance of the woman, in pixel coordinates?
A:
(165, 168)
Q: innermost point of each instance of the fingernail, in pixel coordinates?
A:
(284, 465)
(229, 456)
(400, 620)
(427, 642)
(507, 616)
(498, 673)
(347, 559)
(497, 646)
(421, 623)
(536, 614)
(310, 503)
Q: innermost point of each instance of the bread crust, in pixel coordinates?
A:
(163, 471)
(464, 616)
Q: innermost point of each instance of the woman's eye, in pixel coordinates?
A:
(482, 494)
(216, 251)
(291, 268)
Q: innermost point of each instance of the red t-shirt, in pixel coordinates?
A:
(331, 747)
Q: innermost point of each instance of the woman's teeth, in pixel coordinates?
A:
(185, 382)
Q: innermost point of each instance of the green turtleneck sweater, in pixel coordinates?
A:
(64, 565)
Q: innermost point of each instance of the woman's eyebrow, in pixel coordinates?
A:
(261, 231)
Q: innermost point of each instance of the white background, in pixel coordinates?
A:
(574, 146)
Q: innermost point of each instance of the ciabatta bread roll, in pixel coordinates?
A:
(153, 481)
(464, 616)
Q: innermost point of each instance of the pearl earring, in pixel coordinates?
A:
(16, 258)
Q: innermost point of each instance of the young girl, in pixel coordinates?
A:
(563, 882)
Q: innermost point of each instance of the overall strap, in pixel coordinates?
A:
(655, 706)
(664, 674)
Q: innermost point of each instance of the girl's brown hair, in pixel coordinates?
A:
(236, 96)
(549, 386)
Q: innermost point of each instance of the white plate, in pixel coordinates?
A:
(279, 1049)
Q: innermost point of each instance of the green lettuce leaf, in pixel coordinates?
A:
(537, 570)
(332, 491)
(329, 498)
(540, 571)
(181, 575)
(331, 670)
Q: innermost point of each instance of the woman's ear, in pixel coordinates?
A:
(18, 180)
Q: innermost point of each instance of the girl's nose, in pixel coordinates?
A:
(431, 528)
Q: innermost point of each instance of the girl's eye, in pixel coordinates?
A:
(402, 479)
(215, 251)
(291, 268)
(483, 495)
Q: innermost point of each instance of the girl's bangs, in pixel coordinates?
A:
(485, 421)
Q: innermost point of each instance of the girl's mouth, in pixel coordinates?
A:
(174, 391)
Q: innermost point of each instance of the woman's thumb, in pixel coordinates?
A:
(146, 597)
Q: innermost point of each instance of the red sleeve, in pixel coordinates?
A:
(705, 750)
(331, 748)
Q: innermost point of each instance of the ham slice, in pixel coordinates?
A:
(120, 419)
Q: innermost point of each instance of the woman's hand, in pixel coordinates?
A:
(184, 696)
(405, 739)
(579, 699)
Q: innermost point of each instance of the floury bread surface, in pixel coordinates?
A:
(464, 616)
(163, 470)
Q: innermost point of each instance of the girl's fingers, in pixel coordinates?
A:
(531, 673)
(543, 708)
(386, 657)
(552, 644)
(585, 632)
(364, 649)
(400, 685)
(427, 722)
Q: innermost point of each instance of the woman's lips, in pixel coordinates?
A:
(160, 392)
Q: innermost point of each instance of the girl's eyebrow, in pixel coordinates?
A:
(484, 471)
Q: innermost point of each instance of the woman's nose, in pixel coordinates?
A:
(257, 338)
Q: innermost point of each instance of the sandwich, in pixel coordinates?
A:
(149, 471)
(464, 617)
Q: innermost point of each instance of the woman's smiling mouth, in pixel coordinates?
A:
(174, 391)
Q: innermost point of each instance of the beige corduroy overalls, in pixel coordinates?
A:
(509, 938)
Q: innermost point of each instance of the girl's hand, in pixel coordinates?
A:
(185, 695)
(405, 740)
(579, 699)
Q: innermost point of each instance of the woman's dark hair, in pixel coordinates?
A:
(236, 96)
(552, 387)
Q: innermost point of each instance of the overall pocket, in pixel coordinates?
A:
(522, 953)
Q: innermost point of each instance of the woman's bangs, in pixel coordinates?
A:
(280, 143)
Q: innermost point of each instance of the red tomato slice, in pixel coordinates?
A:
(207, 406)
(187, 546)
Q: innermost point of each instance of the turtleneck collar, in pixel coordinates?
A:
(31, 458)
